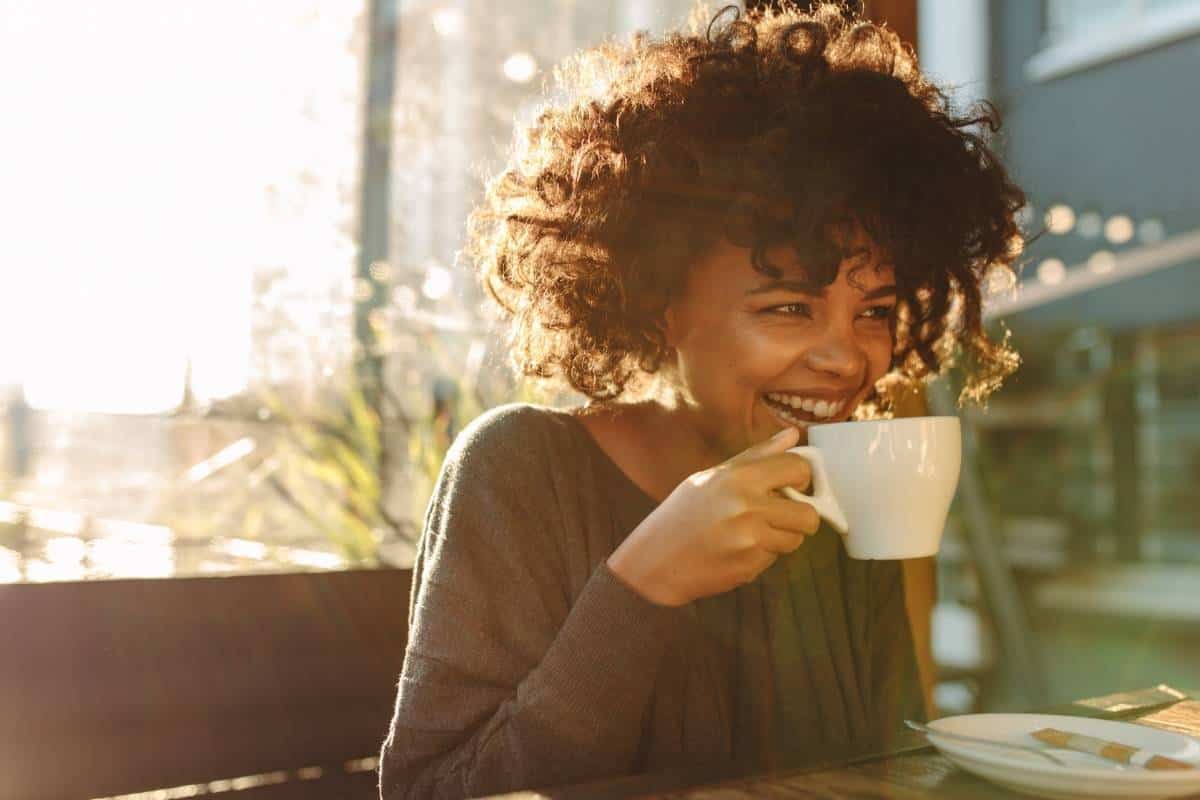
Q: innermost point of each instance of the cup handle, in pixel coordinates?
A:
(822, 498)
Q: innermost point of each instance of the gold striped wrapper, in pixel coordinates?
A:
(1113, 751)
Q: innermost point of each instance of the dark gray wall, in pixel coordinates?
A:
(1123, 136)
(1118, 137)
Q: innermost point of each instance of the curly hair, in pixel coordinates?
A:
(767, 128)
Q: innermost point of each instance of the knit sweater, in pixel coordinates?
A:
(529, 664)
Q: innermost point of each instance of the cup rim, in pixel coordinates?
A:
(892, 421)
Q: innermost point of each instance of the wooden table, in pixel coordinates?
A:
(912, 770)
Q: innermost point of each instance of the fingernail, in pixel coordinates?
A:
(783, 434)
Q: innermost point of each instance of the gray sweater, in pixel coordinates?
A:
(529, 664)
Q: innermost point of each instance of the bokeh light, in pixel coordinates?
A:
(404, 298)
(1118, 229)
(520, 68)
(1101, 262)
(363, 290)
(438, 283)
(449, 22)
(380, 271)
(1052, 271)
(1060, 219)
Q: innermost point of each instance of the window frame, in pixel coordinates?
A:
(1147, 30)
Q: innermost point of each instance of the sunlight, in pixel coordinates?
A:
(145, 175)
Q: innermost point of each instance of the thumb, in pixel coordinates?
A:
(780, 442)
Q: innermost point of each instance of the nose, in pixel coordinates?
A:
(837, 353)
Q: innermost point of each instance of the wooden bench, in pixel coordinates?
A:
(264, 686)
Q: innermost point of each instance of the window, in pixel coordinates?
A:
(1067, 19)
(1084, 33)
(178, 291)
(1073, 19)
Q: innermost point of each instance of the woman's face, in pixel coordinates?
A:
(755, 354)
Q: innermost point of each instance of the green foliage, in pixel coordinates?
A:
(465, 398)
(331, 472)
(338, 463)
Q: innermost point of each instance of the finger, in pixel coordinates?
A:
(781, 541)
(775, 471)
(779, 443)
(791, 515)
(756, 563)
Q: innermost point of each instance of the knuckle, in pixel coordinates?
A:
(705, 477)
(743, 515)
(746, 530)
(721, 479)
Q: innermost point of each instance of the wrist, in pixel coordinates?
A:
(631, 572)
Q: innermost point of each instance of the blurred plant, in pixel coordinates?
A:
(457, 400)
(339, 465)
(333, 469)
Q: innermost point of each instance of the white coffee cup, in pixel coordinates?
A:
(885, 485)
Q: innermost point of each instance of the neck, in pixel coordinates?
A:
(677, 437)
(655, 443)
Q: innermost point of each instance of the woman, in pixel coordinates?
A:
(719, 239)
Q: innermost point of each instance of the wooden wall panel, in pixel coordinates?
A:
(109, 687)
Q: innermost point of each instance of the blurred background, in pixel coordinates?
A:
(235, 335)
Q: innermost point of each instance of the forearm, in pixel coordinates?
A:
(577, 715)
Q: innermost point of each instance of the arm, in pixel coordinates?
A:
(506, 684)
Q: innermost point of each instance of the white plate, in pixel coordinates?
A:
(1086, 776)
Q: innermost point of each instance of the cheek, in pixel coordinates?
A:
(722, 365)
(758, 356)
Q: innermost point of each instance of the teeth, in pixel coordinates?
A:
(791, 418)
(822, 409)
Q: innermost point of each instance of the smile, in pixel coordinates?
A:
(797, 409)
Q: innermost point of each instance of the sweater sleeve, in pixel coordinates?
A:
(508, 682)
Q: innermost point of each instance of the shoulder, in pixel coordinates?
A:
(511, 431)
(514, 444)
(502, 471)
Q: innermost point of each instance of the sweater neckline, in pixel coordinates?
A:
(599, 454)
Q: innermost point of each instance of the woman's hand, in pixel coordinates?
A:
(720, 528)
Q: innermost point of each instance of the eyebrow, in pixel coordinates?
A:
(801, 287)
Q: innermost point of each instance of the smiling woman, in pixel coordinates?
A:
(686, 147)
(786, 352)
(719, 238)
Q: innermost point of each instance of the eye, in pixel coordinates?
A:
(792, 309)
(879, 313)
